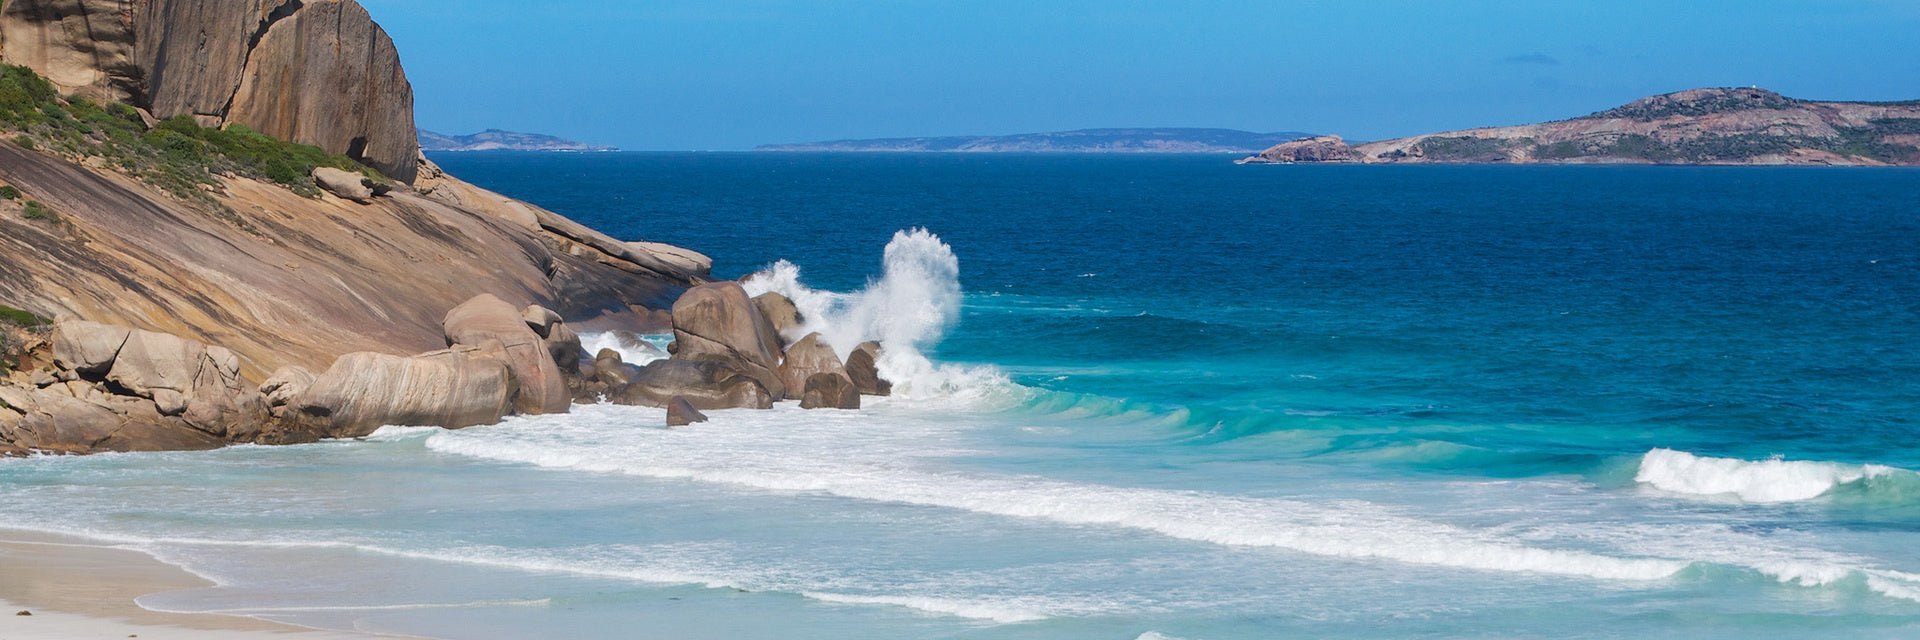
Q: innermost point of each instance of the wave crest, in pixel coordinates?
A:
(1759, 481)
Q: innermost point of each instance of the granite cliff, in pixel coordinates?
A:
(215, 227)
(1699, 126)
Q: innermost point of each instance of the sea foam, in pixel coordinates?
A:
(1761, 481)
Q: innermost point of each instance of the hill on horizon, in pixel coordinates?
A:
(498, 140)
(1111, 140)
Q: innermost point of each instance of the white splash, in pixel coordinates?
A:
(907, 310)
(1762, 481)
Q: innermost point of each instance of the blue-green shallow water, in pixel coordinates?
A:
(1182, 399)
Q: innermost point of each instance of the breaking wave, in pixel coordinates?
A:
(1765, 481)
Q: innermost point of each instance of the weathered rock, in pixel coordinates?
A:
(681, 413)
(152, 361)
(677, 260)
(87, 347)
(345, 184)
(327, 75)
(284, 386)
(829, 391)
(85, 47)
(169, 402)
(805, 358)
(540, 319)
(717, 322)
(863, 369)
(707, 385)
(460, 387)
(781, 313)
(540, 387)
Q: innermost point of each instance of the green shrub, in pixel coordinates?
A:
(21, 318)
(22, 95)
(8, 192)
(36, 211)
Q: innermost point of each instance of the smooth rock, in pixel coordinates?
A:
(716, 322)
(805, 358)
(540, 387)
(540, 319)
(346, 184)
(829, 391)
(707, 385)
(169, 402)
(460, 387)
(781, 313)
(681, 413)
(863, 369)
(87, 347)
(677, 260)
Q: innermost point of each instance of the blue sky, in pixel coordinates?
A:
(731, 74)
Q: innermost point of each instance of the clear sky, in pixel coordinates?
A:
(732, 74)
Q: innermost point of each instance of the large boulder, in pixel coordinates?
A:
(345, 184)
(454, 388)
(805, 358)
(717, 322)
(863, 368)
(706, 385)
(780, 312)
(829, 391)
(541, 388)
(87, 347)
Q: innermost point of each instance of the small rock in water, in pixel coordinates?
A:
(24, 613)
(681, 413)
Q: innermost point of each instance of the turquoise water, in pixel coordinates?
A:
(1162, 397)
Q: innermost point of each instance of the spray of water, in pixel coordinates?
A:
(908, 309)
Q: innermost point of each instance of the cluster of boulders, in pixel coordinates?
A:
(728, 353)
(110, 388)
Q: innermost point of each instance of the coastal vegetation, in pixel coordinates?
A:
(176, 154)
(17, 329)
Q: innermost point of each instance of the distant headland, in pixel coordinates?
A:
(1162, 140)
(497, 140)
(1750, 126)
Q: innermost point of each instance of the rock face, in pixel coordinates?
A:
(319, 72)
(716, 322)
(1698, 126)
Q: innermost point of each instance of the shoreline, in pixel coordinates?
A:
(74, 587)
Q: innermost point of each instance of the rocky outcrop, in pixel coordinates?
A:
(489, 323)
(717, 322)
(1314, 149)
(319, 72)
(1698, 126)
(118, 389)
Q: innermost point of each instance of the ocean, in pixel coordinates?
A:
(1150, 398)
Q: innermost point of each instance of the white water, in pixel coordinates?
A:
(908, 309)
(1757, 481)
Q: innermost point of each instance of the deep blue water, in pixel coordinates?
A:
(1177, 398)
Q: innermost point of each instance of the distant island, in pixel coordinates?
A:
(1749, 126)
(497, 140)
(1167, 140)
